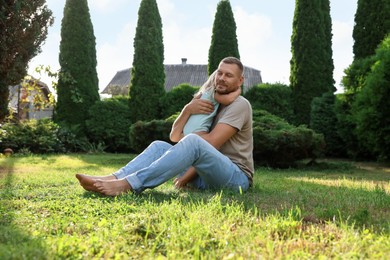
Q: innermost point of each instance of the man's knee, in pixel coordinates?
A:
(194, 141)
(192, 138)
(160, 144)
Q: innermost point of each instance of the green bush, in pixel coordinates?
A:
(371, 108)
(73, 138)
(274, 98)
(346, 128)
(323, 120)
(280, 144)
(109, 122)
(356, 74)
(36, 136)
(173, 101)
(143, 133)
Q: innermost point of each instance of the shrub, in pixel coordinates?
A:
(274, 98)
(173, 101)
(109, 123)
(280, 144)
(346, 127)
(323, 120)
(143, 133)
(73, 138)
(356, 74)
(371, 108)
(37, 136)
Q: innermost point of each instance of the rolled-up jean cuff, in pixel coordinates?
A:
(135, 183)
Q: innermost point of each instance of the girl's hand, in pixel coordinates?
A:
(179, 183)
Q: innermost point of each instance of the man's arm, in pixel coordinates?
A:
(220, 134)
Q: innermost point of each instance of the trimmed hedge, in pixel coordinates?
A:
(108, 123)
(276, 142)
(174, 100)
(143, 133)
(280, 144)
(274, 98)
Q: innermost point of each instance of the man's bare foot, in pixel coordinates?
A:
(112, 187)
(87, 182)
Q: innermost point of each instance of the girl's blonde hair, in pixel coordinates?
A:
(209, 84)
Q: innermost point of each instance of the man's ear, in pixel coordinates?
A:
(241, 80)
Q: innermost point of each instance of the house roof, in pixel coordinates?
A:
(29, 80)
(192, 74)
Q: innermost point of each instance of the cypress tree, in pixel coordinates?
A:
(224, 38)
(372, 24)
(147, 74)
(23, 29)
(311, 64)
(77, 87)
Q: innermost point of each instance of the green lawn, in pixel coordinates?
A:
(336, 209)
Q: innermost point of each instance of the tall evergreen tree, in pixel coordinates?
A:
(372, 24)
(224, 38)
(23, 29)
(147, 74)
(78, 85)
(311, 64)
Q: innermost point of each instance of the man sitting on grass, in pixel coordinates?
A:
(222, 157)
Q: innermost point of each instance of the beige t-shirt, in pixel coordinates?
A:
(239, 148)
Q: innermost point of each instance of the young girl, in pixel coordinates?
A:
(200, 123)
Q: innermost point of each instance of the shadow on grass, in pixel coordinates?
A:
(105, 159)
(333, 168)
(326, 195)
(322, 193)
(279, 191)
(14, 242)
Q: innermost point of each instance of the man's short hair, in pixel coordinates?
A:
(234, 60)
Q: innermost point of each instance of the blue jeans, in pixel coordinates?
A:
(161, 161)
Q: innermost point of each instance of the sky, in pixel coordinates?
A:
(264, 29)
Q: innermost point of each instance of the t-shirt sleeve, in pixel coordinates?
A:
(235, 114)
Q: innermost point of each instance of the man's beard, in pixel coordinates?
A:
(222, 90)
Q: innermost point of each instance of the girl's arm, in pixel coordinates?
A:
(177, 127)
(196, 106)
(188, 176)
(227, 99)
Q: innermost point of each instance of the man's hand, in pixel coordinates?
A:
(200, 106)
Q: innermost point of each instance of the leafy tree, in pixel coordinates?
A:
(372, 107)
(224, 38)
(77, 87)
(23, 30)
(147, 75)
(311, 64)
(356, 73)
(372, 24)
